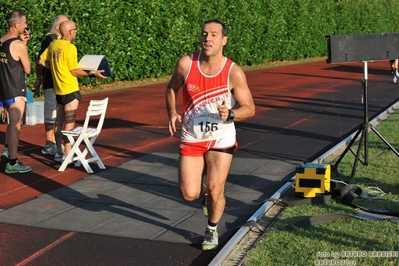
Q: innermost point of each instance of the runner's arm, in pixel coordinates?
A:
(172, 90)
(239, 86)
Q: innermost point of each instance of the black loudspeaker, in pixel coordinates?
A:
(362, 47)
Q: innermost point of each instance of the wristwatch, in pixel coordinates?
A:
(231, 116)
(92, 73)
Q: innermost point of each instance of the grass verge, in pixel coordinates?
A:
(350, 241)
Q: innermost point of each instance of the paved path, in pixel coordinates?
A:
(131, 213)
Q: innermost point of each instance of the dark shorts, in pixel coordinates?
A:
(67, 98)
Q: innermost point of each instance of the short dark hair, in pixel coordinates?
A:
(224, 29)
(15, 17)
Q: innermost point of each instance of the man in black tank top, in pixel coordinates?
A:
(14, 64)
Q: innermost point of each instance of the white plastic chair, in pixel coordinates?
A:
(88, 135)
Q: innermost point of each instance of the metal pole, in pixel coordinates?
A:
(366, 114)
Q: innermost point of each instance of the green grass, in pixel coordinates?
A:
(330, 242)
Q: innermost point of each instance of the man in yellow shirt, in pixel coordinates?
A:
(61, 57)
(45, 80)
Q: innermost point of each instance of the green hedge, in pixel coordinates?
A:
(143, 39)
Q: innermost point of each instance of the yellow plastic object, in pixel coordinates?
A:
(312, 179)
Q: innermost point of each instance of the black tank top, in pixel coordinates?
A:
(47, 78)
(12, 81)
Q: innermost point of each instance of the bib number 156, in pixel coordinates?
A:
(208, 126)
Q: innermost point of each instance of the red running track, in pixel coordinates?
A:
(301, 111)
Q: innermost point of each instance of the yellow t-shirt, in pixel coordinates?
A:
(63, 57)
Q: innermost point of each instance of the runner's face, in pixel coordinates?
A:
(212, 38)
(21, 26)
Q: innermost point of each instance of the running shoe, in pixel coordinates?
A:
(204, 204)
(210, 240)
(5, 156)
(17, 168)
(49, 149)
(395, 78)
(60, 158)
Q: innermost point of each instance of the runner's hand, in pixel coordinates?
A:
(172, 123)
(223, 111)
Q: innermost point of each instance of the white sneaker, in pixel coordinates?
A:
(395, 78)
(210, 240)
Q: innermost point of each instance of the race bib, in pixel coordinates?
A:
(207, 126)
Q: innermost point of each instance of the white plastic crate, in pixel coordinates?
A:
(34, 113)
